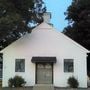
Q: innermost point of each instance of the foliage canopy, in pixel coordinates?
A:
(17, 17)
(78, 16)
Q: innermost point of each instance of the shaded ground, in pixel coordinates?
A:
(30, 88)
(72, 89)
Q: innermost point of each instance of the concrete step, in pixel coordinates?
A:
(43, 87)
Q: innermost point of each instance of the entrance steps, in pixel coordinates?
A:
(43, 87)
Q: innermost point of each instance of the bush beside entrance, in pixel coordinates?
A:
(73, 83)
(16, 81)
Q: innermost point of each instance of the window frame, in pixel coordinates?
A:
(16, 61)
(70, 61)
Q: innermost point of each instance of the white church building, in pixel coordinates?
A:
(45, 56)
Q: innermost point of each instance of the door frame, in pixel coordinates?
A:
(36, 72)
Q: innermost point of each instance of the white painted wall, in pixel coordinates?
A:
(45, 41)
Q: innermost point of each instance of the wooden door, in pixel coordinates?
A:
(44, 73)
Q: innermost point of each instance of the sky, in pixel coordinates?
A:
(57, 9)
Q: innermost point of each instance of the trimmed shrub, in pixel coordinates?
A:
(17, 81)
(73, 83)
(10, 82)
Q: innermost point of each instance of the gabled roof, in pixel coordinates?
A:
(45, 26)
(49, 27)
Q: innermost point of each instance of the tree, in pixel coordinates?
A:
(17, 17)
(78, 16)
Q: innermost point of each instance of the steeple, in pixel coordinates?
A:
(47, 17)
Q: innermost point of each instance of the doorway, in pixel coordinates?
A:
(44, 73)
